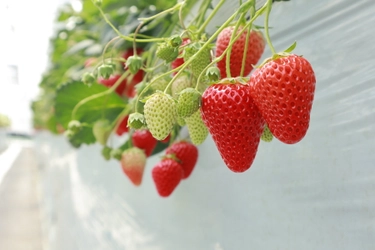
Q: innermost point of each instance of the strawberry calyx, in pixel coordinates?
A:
(136, 120)
(175, 41)
(134, 63)
(287, 52)
(106, 70)
(88, 78)
(233, 80)
(116, 153)
(170, 156)
(213, 74)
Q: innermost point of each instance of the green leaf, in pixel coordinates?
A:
(83, 136)
(291, 48)
(108, 106)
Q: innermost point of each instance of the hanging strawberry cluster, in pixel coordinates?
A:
(203, 84)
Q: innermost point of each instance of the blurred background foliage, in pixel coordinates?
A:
(4, 121)
(81, 35)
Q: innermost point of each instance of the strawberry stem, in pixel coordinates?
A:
(106, 46)
(128, 38)
(266, 27)
(252, 13)
(134, 39)
(92, 97)
(199, 19)
(180, 17)
(209, 18)
(234, 33)
(170, 10)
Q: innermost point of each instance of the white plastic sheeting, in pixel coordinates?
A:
(317, 194)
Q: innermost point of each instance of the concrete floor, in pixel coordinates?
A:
(20, 224)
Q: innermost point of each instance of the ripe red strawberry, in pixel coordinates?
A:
(180, 60)
(133, 162)
(186, 154)
(254, 52)
(234, 122)
(111, 81)
(123, 126)
(166, 140)
(283, 89)
(167, 174)
(143, 139)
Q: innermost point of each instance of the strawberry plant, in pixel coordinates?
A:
(144, 73)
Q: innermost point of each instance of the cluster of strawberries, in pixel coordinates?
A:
(180, 156)
(217, 95)
(177, 164)
(276, 100)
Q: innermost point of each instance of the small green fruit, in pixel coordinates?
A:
(102, 130)
(188, 102)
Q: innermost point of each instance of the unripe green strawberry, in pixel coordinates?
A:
(188, 102)
(101, 130)
(166, 52)
(136, 121)
(267, 135)
(181, 121)
(181, 83)
(197, 129)
(201, 61)
(160, 114)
